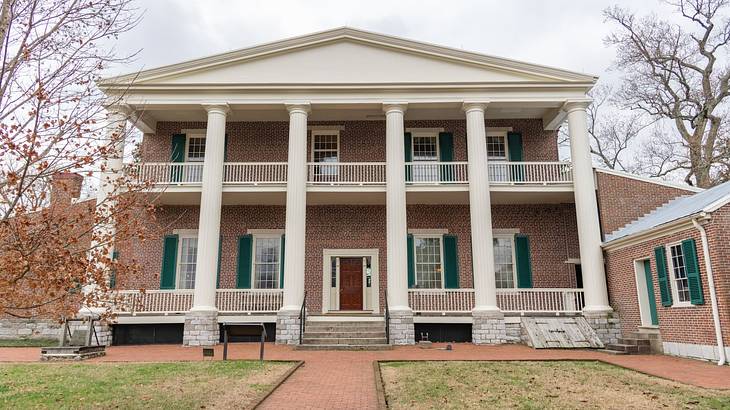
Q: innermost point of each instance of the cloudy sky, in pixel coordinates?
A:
(562, 33)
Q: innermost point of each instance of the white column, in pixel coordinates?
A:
(586, 209)
(395, 204)
(210, 209)
(480, 209)
(296, 207)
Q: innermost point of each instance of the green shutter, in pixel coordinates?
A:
(244, 265)
(407, 150)
(451, 262)
(225, 148)
(523, 262)
(281, 262)
(113, 272)
(446, 154)
(660, 256)
(411, 262)
(169, 262)
(218, 272)
(177, 154)
(689, 250)
(514, 146)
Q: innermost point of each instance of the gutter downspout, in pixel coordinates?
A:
(713, 294)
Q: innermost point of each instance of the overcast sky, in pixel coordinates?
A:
(561, 33)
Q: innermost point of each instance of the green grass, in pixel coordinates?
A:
(182, 385)
(536, 385)
(28, 342)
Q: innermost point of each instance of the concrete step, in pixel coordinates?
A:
(344, 328)
(344, 347)
(345, 335)
(343, 341)
(645, 335)
(628, 348)
(609, 351)
(634, 341)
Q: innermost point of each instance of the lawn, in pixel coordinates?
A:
(28, 342)
(536, 385)
(181, 385)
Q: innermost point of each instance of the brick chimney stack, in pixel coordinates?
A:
(65, 186)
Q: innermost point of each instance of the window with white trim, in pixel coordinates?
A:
(504, 261)
(425, 149)
(497, 147)
(187, 260)
(325, 148)
(429, 257)
(679, 281)
(196, 148)
(266, 262)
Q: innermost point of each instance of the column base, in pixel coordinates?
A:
(201, 328)
(488, 327)
(287, 327)
(401, 329)
(606, 324)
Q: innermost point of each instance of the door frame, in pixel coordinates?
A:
(642, 292)
(331, 304)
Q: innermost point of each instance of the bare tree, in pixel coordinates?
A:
(52, 120)
(679, 72)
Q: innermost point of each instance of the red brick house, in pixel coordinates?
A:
(351, 187)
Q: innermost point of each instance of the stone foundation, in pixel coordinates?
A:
(287, 327)
(29, 329)
(606, 324)
(201, 328)
(488, 328)
(513, 332)
(402, 330)
(79, 334)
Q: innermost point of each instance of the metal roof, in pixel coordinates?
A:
(678, 208)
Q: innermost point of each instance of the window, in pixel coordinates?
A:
(425, 149)
(187, 260)
(196, 148)
(429, 270)
(504, 262)
(496, 147)
(325, 148)
(267, 252)
(680, 284)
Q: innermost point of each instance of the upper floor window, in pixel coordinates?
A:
(196, 148)
(428, 266)
(504, 261)
(425, 147)
(497, 146)
(325, 146)
(679, 281)
(267, 255)
(187, 260)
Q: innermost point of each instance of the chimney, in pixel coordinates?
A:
(65, 186)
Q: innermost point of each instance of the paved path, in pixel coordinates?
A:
(345, 380)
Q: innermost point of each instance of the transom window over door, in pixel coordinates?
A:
(187, 261)
(267, 251)
(504, 265)
(425, 149)
(325, 148)
(680, 283)
(429, 269)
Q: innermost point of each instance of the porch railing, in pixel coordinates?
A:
(346, 173)
(254, 173)
(521, 301)
(437, 173)
(529, 173)
(249, 300)
(168, 173)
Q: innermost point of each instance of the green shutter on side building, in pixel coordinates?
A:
(169, 262)
(451, 262)
(523, 261)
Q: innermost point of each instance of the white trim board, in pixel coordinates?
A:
(668, 184)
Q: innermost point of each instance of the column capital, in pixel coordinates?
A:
(574, 105)
(395, 106)
(120, 109)
(474, 106)
(301, 107)
(219, 107)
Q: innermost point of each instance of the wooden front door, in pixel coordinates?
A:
(351, 284)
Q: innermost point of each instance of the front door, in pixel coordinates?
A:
(645, 292)
(650, 293)
(351, 284)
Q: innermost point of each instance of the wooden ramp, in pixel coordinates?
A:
(560, 332)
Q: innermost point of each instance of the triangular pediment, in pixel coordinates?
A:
(348, 56)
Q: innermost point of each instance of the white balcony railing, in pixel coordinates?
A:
(509, 300)
(437, 173)
(169, 173)
(180, 301)
(529, 173)
(249, 300)
(346, 173)
(254, 173)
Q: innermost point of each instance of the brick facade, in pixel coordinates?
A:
(692, 324)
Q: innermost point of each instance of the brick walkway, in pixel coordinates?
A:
(345, 380)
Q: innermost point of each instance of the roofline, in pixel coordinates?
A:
(650, 180)
(355, 34)
(658, 231)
